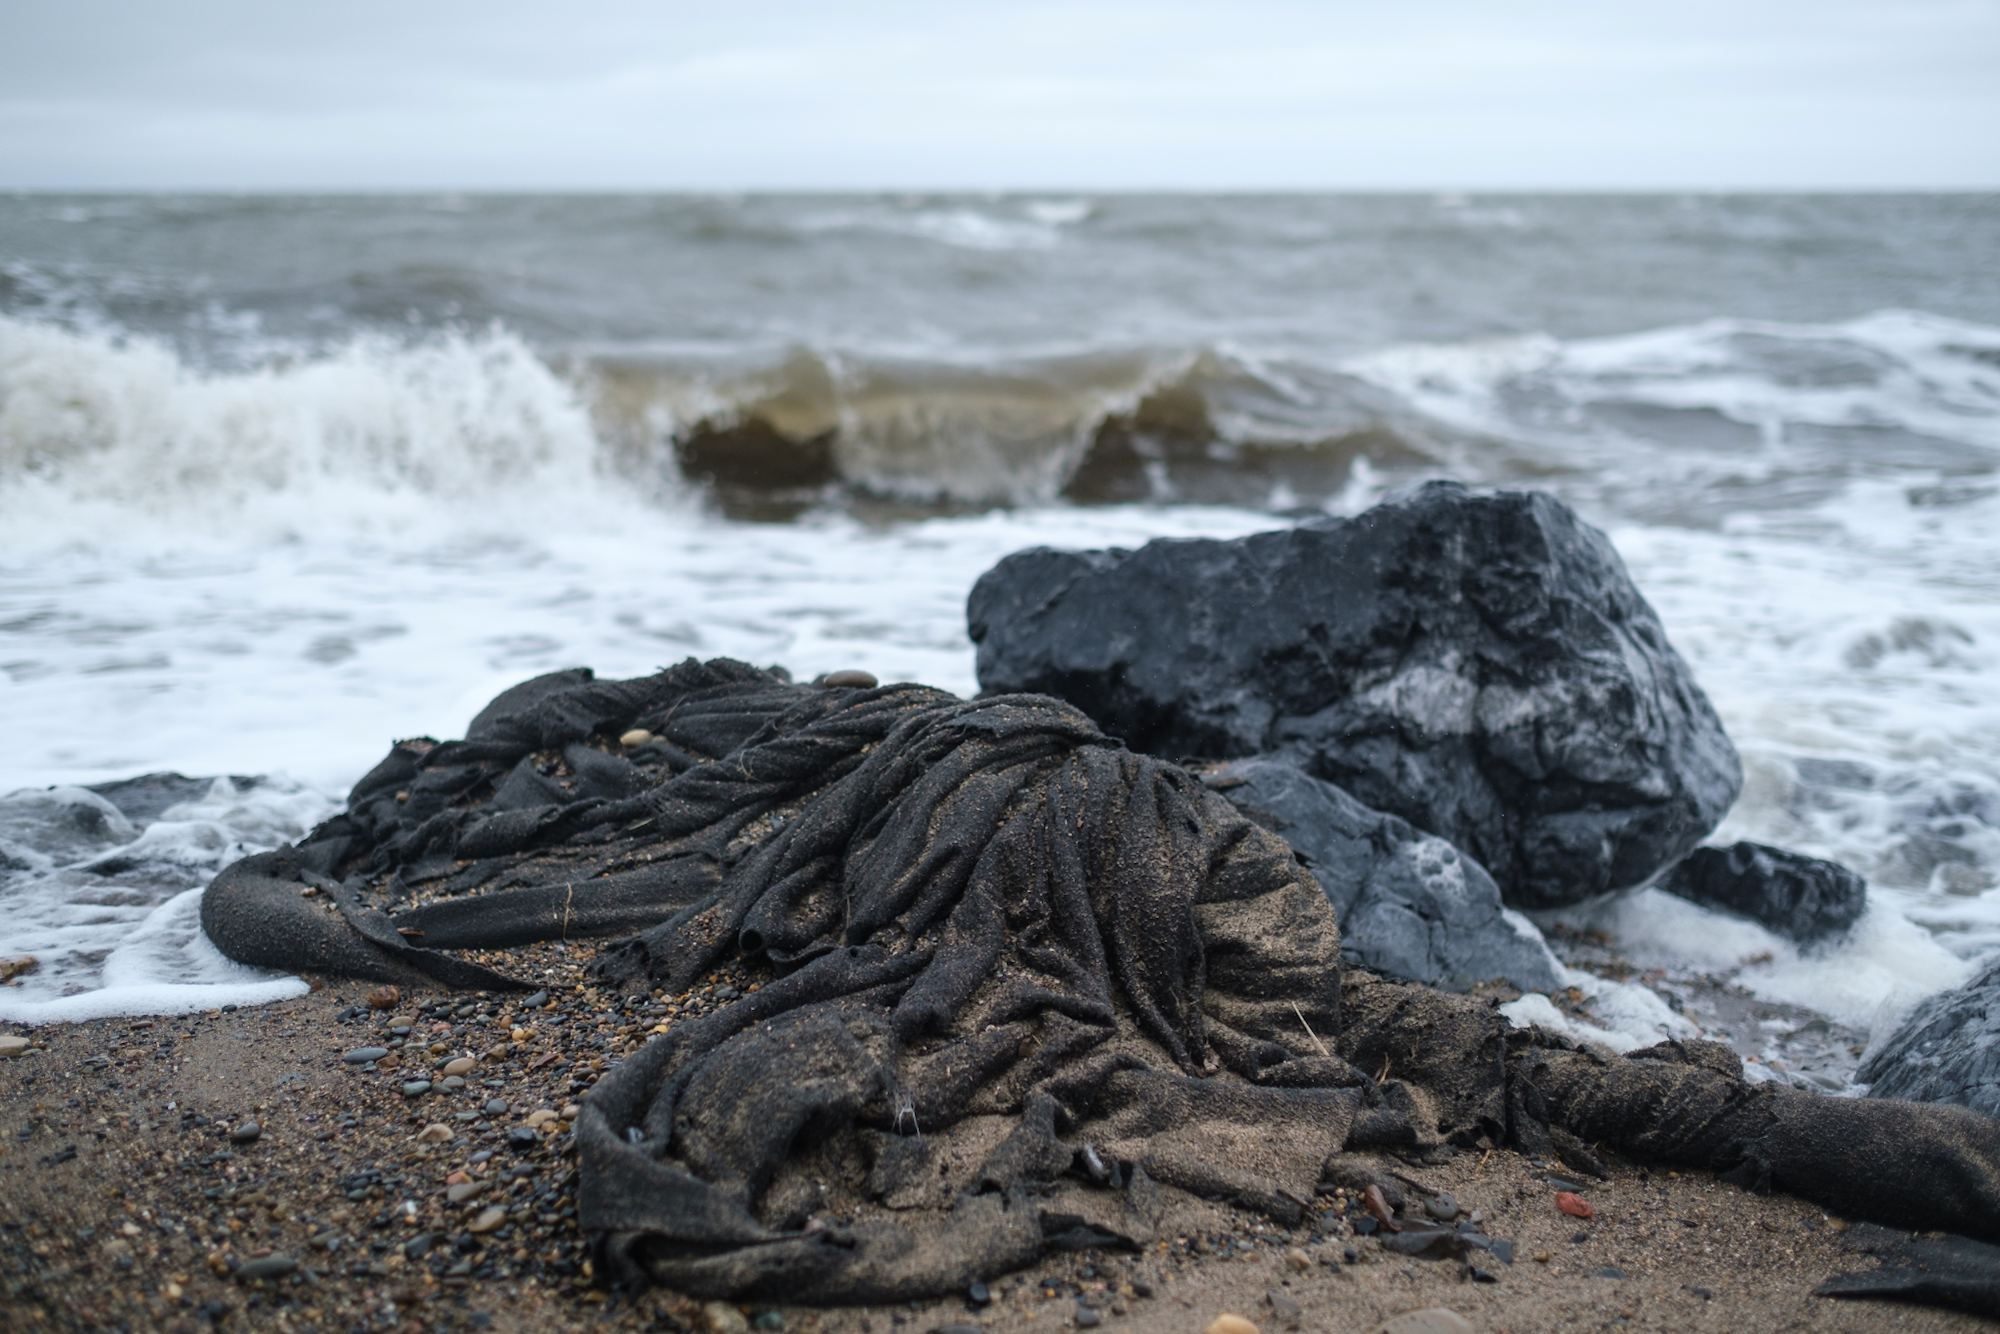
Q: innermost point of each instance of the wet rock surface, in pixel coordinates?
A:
(1412, 906)
(1947, 1050)
(1481, 666)
(1802, 898)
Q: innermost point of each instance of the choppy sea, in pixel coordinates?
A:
(284, 479)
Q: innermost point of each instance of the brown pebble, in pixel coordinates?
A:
(722, 1318)
(437, 1132)
(1298, 1260)
(1231, 1324)
(489, 1220)
(461, 1191)
(638, 736)
(1542, 1257)
(384, 998)
(1574, 1204)
(464, 1065)
(11, 1045)
(848, 679)
(1378, 1205)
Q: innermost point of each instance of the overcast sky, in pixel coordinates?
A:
(506, 94)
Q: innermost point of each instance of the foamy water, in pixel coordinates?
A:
(237, 546)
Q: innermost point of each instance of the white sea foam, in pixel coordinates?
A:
(286, 568)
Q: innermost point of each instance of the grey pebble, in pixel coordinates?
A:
(1442, 1207)
(362, 1055)
(416, 1088)
(246, 1133)
(1283, 1306)
(1087, 1318)
(536, 1001)
(271, 1266)
(496, 1107)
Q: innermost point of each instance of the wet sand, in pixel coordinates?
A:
(125, 1201)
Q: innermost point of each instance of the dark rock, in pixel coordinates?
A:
(1801, 898)
(362, 1055)
(1481, 666)
(1947, 1050)
(144, 799)
(536, 1001)
(247, 1133)
(416, 1088)
(522, 1138)
(1409, 903)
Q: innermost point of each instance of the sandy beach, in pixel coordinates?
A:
(132, 1196)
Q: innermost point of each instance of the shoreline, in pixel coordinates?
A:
(122, 1209)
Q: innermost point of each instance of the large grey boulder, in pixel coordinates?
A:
(1409, 904)
(1947, 1050)
(1480, 665)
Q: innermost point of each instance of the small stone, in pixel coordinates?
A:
(540, 1117)
(1284, 1307)
(461, 1191)
(437, 1132)
(1298, 1261)
(536, 1001)
(489, 1220)
(1607, 1271)
(722, 1318)
(522, 1138)
(1574, 1204)
(638, 736)
(384, 998)
(363, 1055)
(1231, 1324)
(1442, 1207)
(1542, 1257)
(496, 1107)
(1141, 1288)
(416, 1088)
(464, 1065)
(1087, 1318)
(271, 1266)
(417, 1247)
(1431, 1320)
(848, 680)
(978, 1294)
(12, 1045)
(247, 1133)
(769, 1320)
(451, 1083)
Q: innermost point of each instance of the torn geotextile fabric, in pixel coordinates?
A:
(1027, 986)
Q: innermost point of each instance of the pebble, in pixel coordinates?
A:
(722, 1318)
(979, 1294)
(271, 1266)
(1298, 1260)
(638, 736)
(437, 1132)
(416, 1088)
(363, 1055)
(384, 998)
(849, 679)
(1574, 1205)
(522, 1138)
(540, 1117)
(1087, 1318)
(1431, 1320)
(464, 1065)
(417, 1247)
(769, 1320)
(451, 1083)
(489, 1220)
(463, 1191)
(1442, 1207)
(1284, 1307)
(496, 1107)
(12, 1045)
(247, 1133)
(1231, 1324)
(536, 1001)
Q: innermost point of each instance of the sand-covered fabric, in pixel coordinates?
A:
(1025, 982)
